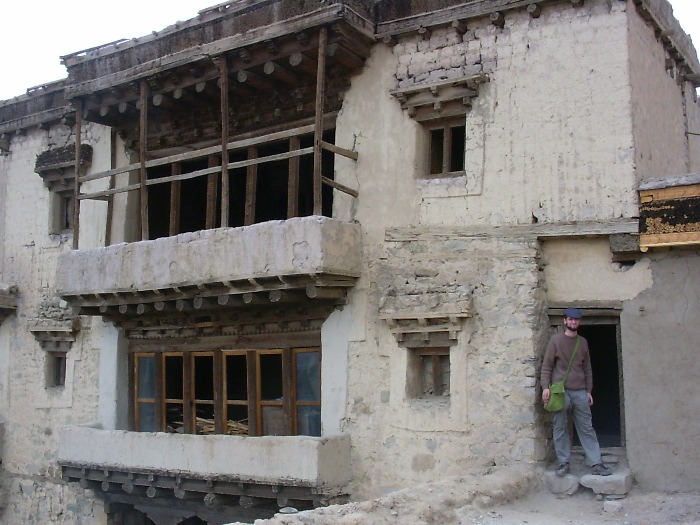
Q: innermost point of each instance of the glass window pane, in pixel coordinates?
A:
(308, 376)
(274, 422)
(270, 377)
(147, 377)
(147, 417)
(236, 378)
(309, 421)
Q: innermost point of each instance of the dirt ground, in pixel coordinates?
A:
(501, 496)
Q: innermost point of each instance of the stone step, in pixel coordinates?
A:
(619, 483)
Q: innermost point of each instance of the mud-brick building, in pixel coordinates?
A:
(296, 252)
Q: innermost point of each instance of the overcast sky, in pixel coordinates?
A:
(34, 34)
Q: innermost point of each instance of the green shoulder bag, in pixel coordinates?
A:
(556, 390)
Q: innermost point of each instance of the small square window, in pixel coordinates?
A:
(431, 372)
(56, 369)
(446, 149)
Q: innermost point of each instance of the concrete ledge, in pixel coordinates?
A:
(300, 246)
(319, 462)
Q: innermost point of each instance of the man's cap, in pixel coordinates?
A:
(574, 313)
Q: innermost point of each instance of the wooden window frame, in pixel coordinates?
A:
(56, 363)
(436, 356)
(447, 127)
(221, 404)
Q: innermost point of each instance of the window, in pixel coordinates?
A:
(55, 369)
(446, 149)
(237, 392)
(62, 212)
(431, 372)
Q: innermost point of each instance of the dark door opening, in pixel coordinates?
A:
(607, 420)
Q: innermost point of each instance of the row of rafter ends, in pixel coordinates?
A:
(223, 292)
(159, 484)
(457, 16)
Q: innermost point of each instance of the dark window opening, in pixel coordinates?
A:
(446, 149)
(257, 193)
(56, 373)
(428, 372)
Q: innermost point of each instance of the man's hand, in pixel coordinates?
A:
(545, 396)
(590, 399)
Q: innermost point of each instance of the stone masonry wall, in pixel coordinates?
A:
(31, 411)
(490, 415)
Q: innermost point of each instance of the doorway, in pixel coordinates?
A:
(607, 380)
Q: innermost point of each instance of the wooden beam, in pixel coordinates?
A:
(212, 190)
(174, 228)
(340, 151)
(143, 133)
(76, 188)
(303, 63)
(293, 180)
(251, 188)
(225, 190)
(344, 56)
(250, 78)
(278, 72)
(318, 124)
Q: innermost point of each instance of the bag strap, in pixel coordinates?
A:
(578, 340)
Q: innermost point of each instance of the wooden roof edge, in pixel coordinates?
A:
(463, 11)
(319, 17)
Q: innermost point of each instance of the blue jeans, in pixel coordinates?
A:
(576, 402)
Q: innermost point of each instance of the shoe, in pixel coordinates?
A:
(562, 470)
(601, 470)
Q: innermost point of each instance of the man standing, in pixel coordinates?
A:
(577, 396)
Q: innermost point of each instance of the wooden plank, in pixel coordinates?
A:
(175, 187)
(293, 180)
(318, 124)
(159, 387)
(143, 133)
(339, 186)
(76, 184)
(253, 405)
(212, 190)
(219, 421)
(446, 149)
(288, 390)
(340, 151)
(251, 188)
(188, 408)
(223, 75)
(539, 230)
(205, 152)
(668, 239)
(675, 192)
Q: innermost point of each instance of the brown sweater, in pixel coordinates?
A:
(556, 359)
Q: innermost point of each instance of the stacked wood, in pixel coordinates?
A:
(206, 426)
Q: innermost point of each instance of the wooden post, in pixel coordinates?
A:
(175, 169)
(293, 183)
(143, 190)
(223, 73)
(251, 187)
(219, 423)
(76, 188)
(212, 188)
(318, 123)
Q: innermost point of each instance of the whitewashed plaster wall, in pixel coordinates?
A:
(549, 139)
(583, 270)
(33, 413)
(658, 106)
(553, 124)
